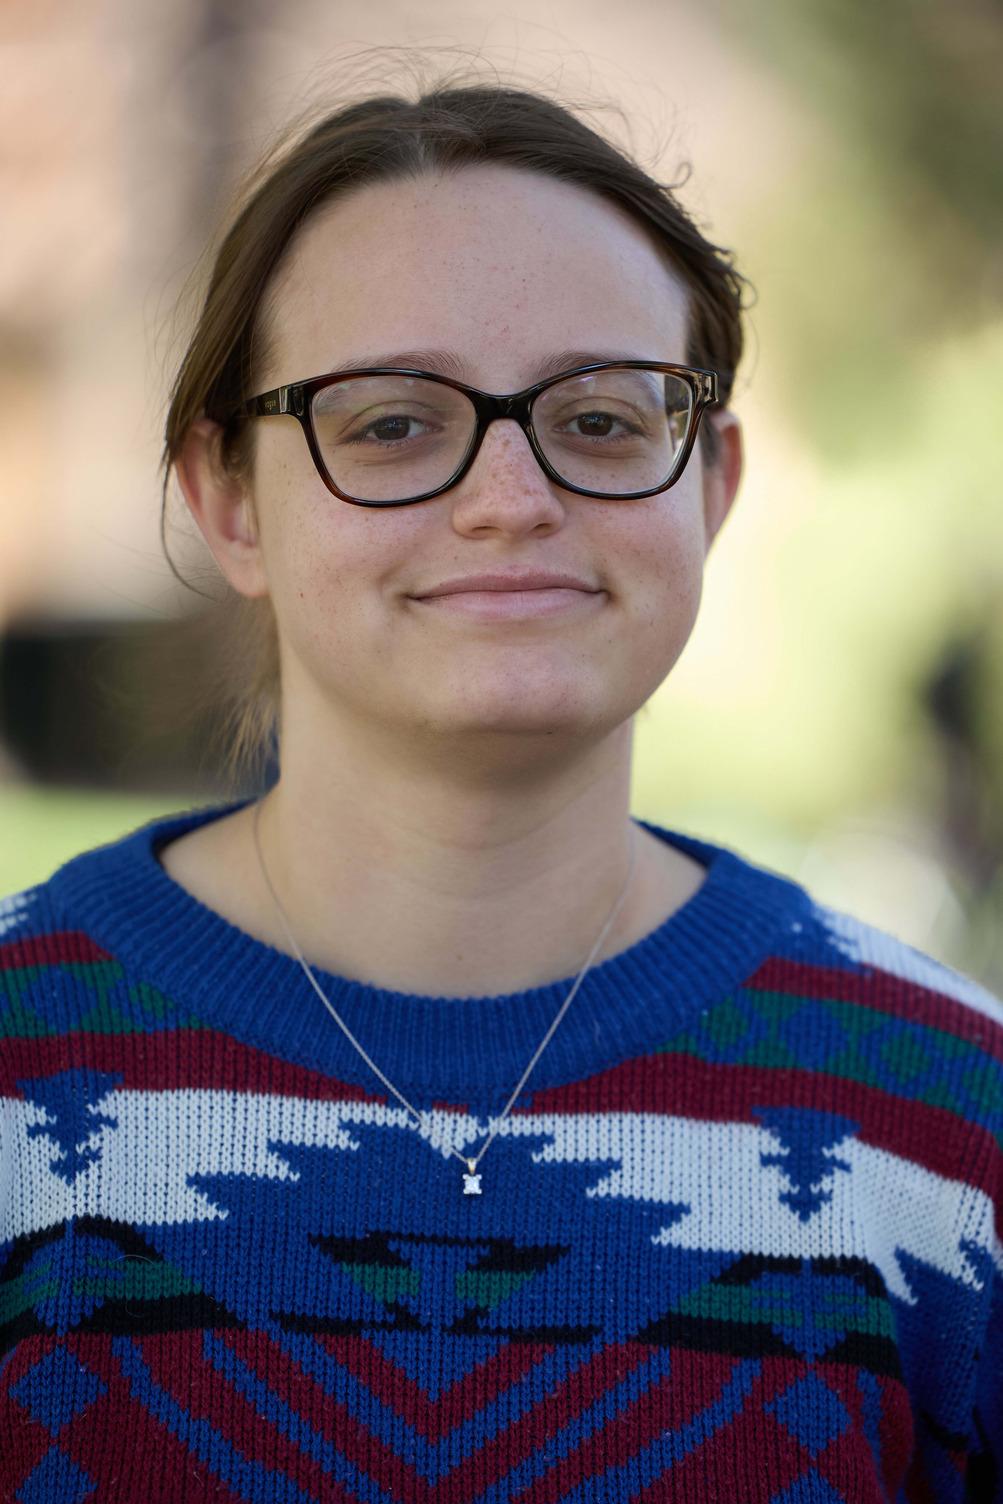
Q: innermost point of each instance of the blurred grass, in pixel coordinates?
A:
(43, 826)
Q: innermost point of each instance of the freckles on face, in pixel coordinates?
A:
(331, 566)
(504, 270)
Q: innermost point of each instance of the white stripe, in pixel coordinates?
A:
(883, 1206)
(14, 910)
(728, 1200)
(865, 944)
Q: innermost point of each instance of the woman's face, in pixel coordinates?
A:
(507, 270)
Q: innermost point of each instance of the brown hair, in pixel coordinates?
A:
(373, 140)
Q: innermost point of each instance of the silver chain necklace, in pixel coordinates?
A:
(471, 1179)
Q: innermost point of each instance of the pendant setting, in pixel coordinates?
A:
(472, 1181)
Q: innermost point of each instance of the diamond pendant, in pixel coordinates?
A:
(472, 1181)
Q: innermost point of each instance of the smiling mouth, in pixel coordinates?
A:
(501, 605)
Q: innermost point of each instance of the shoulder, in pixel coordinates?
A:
(893, 1033)
(65, 964)
(26, 912)
(915, 1040)
(888, 974)
(824, 969)
(47, 962)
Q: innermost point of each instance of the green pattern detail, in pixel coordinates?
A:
(147, 999)
(20, 1022)
(905, 1057)
(681, 1044)
(725, 1024)
(728, 1303)
(953, 1048)
(99, 976)
(131, 1280)
(778, 1007)
(103, 1018)
(927, 1064)
(487, 1288)
(856, 1018)
(852, 1065)
(984, 1084)
(23, 1294)
(15, 980)
(96, 976)
(384, 1283)
(772, 1054)
(125, 1280)
(837, 1312)
(939, 1094)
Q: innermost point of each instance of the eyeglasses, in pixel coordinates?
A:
(389, 436)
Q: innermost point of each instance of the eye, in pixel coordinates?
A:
(389, 429)
(597, 424)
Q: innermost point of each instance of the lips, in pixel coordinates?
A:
(494, 605)
(509, 582)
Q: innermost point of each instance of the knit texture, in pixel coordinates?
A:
(738, 1240)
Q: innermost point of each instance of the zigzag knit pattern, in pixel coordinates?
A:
(738, 1241)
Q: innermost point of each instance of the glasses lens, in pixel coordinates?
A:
(615, 431)
(390, 438)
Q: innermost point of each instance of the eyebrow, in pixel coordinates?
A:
(451, 363)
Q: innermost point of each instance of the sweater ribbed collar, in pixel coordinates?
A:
(444, 1049)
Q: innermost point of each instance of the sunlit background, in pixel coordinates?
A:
(838, 714)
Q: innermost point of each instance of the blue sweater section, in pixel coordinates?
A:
(738, 1240)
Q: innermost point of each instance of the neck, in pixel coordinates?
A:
(397, 875)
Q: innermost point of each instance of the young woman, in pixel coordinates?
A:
(429, 1128)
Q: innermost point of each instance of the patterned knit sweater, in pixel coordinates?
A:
(738, 1240)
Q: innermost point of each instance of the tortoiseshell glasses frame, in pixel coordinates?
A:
(295, 400)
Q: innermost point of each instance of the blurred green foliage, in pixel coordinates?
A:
(891, 238)
(44, 827)
(878, 263)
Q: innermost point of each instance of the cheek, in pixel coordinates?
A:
(324, 588)
(336, 577)
(664, 561)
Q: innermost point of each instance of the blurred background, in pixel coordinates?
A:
(838, 713)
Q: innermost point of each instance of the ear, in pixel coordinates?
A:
(720, 480)
(223, 507)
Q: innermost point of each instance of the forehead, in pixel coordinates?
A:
(500, 264)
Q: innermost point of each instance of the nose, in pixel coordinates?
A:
(505, 489)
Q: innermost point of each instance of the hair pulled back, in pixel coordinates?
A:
(372, 140)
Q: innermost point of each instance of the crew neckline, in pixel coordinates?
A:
(440, 1049)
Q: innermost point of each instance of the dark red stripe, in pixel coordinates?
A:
(172, 1060)
(24, 1440)
(883, 992)
(730, 1464)
(895, 1433)
(695, 1382)
(531, 1432)
(399, 1392)
(335, 1423)
(51, 949)
(177, 1363)
(118, 1442)
(866, 984)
